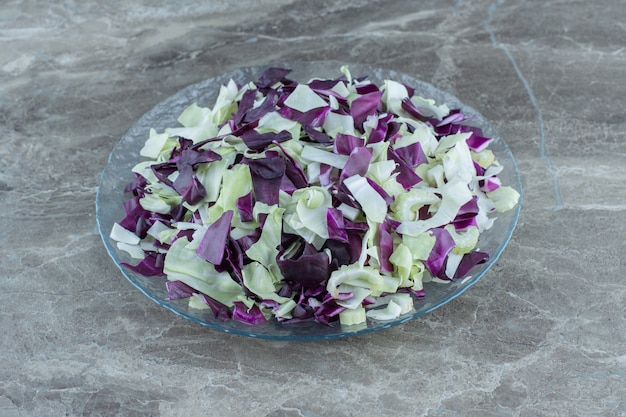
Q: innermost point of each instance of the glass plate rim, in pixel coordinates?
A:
(254, 331)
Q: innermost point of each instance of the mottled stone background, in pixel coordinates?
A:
(542, 334)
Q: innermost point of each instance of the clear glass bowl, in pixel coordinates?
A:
(125, 155)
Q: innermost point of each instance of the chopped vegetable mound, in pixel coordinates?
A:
(331, 200)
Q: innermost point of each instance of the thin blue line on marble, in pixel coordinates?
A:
(558, 203)
(458, 4)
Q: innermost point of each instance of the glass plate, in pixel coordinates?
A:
(125, 155)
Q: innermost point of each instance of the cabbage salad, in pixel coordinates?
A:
(331, 200)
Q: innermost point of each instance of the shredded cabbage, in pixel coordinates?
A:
(331, 200)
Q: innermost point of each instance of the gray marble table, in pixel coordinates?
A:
(542, 334)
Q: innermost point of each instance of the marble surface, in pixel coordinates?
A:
(542, 334)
